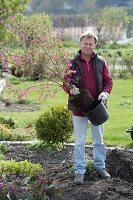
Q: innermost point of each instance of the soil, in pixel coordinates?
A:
(7, 106)
(59, 171)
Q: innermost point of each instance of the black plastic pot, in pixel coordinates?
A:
(97, 113)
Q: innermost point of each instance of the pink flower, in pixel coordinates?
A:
(43, 180)
(14, 17)
(11, 187)
(1, 21)
(44, 190)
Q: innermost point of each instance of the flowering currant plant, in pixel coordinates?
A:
(22, 180)
(14, 188)
(41, 55)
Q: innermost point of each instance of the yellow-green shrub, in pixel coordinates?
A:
(54, 126)
(5, 133)
(21, 169)
(7, 121)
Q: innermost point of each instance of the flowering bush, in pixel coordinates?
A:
(41, 55)
(15, 188)
(22, 180)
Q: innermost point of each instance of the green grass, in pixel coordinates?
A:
(120, 107)
(121, 114)
(22, 118)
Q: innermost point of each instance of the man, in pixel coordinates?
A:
(87, 73)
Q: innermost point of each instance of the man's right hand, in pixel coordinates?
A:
(74, 90)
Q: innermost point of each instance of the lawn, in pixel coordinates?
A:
(120, 107)
(121, 116)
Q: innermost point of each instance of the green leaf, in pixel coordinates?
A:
(23, 196)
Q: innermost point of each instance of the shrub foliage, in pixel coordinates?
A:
(5, 133)
(54, 126)
(22, 180)
(22, 168)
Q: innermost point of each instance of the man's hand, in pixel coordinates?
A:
(103, 97)
(74, 90)
(68, 73)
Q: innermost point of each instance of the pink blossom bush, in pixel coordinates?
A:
(41, 56)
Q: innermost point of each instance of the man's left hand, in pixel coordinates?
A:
(103, 97)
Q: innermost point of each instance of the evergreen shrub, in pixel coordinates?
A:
(54, 126)
(22, 169)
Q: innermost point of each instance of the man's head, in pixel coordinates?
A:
(88, 35)
(88, 43)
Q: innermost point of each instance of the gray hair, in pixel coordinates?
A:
(88, 35)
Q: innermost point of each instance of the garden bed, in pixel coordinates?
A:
(7, 106)
(59, 171)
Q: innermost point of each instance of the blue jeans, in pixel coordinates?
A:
(99, 152)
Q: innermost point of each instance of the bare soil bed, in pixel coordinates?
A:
(59, 171)
(7, 106)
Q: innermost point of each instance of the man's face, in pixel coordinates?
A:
(87, 45)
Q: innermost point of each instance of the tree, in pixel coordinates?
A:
(110, 23)
(115, 21)
(14, 5)
(130, 24)
(43, 58)
(89, 6)
(95, 18)
(9, 6)
(99, 24)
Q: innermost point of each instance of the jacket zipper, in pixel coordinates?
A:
(88, 67)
